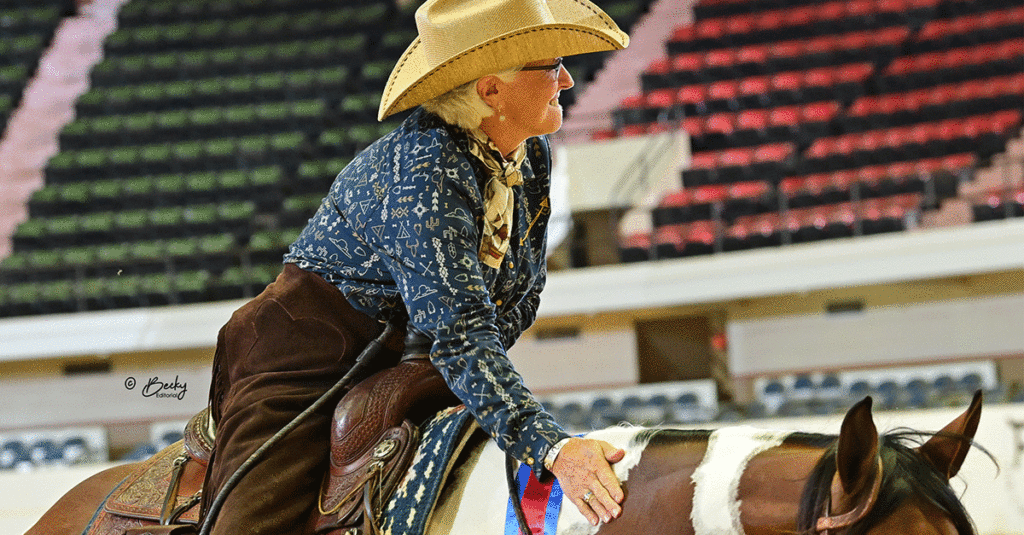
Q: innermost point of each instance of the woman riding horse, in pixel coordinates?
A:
(440, 225)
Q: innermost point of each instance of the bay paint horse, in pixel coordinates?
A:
(735, 481)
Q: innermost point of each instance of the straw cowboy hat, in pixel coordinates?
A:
(462, 40)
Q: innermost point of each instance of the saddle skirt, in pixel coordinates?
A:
(164, 491)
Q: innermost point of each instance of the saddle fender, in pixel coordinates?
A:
(373, 438)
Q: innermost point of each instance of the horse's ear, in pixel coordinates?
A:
(857, 452)
(948, 448)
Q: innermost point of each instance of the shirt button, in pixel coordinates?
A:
(498, 302)
(529, 461)
(511, 265)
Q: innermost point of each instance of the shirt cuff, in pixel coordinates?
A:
(549, 459)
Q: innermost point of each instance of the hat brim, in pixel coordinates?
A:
(413, 81)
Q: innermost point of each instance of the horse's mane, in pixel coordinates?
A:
(906, 475)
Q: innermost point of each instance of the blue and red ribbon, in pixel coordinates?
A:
(541, 504)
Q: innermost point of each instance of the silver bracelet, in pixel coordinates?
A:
(549, 459)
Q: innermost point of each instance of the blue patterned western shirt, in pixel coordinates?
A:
(399, 235)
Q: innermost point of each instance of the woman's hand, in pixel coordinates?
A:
(583, 468)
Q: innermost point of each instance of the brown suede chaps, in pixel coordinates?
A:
(276, 355)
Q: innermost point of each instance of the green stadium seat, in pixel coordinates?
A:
(106, 190)
(30, 229)
(168, 216)
(173, 119)
(124, 155)
(79, 256)
(100, 222)
(131, 220)
(138, 186)
(45, 258)
(219, 244)
(192, 286)
(201, 214)
(271, 81)
(173, 185)
(182, 247)
(204, 182)
(147, 250)
(16, 261)
(111, 253)
(288, 141)
(91, 158)
(156, 288)
(62, 226)
(155, 153)
(236, 211)
(140, 122)
(206, 117)
(232, 180)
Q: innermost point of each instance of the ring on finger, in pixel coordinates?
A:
(587, 496)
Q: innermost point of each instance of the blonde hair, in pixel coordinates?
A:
(463, 106)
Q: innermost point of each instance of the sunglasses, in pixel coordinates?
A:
(553, 67)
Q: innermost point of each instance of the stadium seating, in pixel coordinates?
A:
(26, 28)
(873, 116)
(210, 133)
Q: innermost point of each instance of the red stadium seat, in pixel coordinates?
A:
(687, 62)
(736, 157)
(831, 11)
(721, 123)
(800, 16)
(662, 98)
(723, 90)
(823, 77)
(702, 232)
(681, 197)
(694, 126)
(859, 8)
(709, 194)
(659, 66)
(752, 54)
(819, 111)
(786, 81)
(854, 72)
(632, 102)
(770, 20)
(788, 49)
(784, 116)
(684, 33)
(775, 152)
(705, 160)
(740, 24)
(748, 190)
(752, 120)
(722, 57)
(639, 240)
(691, 94)
(710, 29)
(754, 86)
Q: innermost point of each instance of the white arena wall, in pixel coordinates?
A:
(990, 490)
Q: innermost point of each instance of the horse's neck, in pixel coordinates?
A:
(767, 487)
(771, 487)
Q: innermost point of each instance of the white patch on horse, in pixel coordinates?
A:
(716, 504)
(571, 521)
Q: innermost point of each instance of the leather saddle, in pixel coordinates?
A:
(374, 435)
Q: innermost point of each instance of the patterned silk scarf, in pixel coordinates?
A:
(499, 200)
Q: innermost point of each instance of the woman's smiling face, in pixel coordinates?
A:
(532, 105)
(527, 106)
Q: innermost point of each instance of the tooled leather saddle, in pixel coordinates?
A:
(374, 435)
